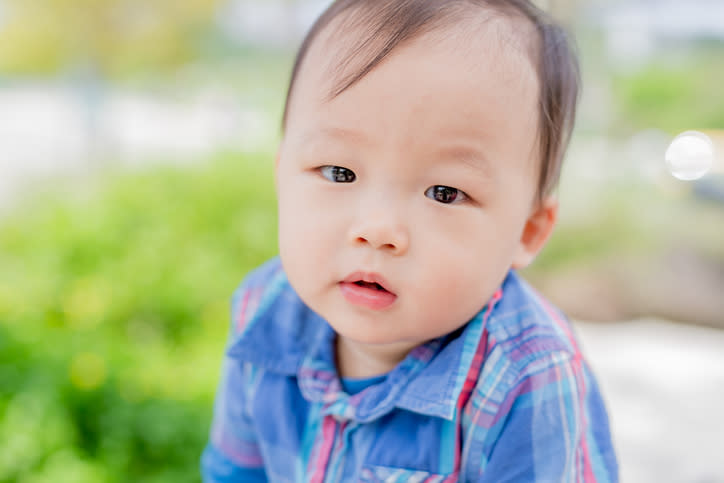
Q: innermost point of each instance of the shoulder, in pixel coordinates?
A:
(528, 342)
(535, 390)
(271, 327)
(258, 290)
(528, 329)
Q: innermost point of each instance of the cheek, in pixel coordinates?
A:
(298, 247)
(305, 221)
(465, 257)
(455, 287)
(295, 224)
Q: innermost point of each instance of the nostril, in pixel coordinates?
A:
(387, 244)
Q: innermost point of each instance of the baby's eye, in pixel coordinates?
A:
(337, 174)
(445, 194)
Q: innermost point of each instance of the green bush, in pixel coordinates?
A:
(113, 317)
(672, 95)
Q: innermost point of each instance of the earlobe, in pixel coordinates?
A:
(538, 228)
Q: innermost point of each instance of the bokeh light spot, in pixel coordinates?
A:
(86, 302)
(690, 155)
(87, 371)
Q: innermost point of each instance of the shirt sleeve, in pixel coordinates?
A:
(555, 429)
(233, 453)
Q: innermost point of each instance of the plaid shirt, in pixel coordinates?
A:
(507, 397)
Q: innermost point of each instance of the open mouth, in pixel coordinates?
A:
(370, 285)
(367, 290)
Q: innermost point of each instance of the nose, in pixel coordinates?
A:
(381, 231)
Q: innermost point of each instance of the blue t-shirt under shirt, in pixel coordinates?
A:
(354, 385)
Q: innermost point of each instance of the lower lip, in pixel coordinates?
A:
(367, 297)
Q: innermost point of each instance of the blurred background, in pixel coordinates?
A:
(137, 141)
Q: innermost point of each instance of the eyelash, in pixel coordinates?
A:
(442, 194)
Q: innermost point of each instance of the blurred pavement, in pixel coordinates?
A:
(664, 386)
(50, 130)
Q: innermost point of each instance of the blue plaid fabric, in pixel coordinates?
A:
(506, 398)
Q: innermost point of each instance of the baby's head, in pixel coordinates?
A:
(421, 144)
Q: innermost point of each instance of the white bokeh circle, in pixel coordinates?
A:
(690, 155)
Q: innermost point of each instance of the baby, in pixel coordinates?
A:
(393, 340)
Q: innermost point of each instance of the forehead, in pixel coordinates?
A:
(352, 42)
(468, 77)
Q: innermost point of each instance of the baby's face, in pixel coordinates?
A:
(404, 201)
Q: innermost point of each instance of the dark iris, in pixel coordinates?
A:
(341, 175)
(443, 194)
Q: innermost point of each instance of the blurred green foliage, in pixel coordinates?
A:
(633, 220)
(110, 37)
(673, 94)
(113, 315)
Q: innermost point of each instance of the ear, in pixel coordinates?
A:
(537, 230)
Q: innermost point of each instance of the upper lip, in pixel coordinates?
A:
(369, 277)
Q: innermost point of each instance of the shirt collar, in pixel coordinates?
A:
(290, 339)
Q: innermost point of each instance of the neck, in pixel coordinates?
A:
(360, 360)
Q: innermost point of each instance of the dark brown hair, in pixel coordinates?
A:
(388, 23)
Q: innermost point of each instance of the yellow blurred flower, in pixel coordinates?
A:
(87, 371)
(86, 302)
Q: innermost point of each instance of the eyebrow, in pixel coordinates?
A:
(334, 132)
(468, 156)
